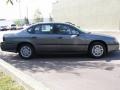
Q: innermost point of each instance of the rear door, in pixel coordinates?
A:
(44, 38)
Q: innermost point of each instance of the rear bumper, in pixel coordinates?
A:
(114, 47)
(8, 47)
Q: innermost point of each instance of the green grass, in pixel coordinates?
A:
(6, 83)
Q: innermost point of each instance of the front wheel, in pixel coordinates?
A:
(97, 50)
(26, 51)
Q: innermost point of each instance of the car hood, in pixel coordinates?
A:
(97, 36)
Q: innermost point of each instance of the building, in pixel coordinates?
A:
(90, 14)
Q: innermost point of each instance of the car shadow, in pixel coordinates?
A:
(62, 63)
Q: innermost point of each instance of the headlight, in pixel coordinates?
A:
(115, 40)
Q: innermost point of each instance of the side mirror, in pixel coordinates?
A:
(78, 34)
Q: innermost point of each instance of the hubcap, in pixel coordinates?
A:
(26, 51)
(97, 50)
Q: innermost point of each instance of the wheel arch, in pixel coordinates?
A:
(101, 41)
(22, 43)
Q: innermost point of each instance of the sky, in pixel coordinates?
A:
(8, 11)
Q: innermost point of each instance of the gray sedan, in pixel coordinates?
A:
(57, 38)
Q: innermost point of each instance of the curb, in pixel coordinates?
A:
(25, 80)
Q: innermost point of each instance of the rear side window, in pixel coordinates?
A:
(30, 30)
(43, 29)
(46, 28)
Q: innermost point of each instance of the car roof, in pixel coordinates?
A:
(67, 23)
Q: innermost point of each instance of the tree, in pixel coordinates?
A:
(10, 1)
(38, 16)
(50, 18)
(26, 21)
(19, 22)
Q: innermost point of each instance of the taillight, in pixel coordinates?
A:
(3, 38)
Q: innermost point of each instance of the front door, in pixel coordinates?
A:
(67, 37)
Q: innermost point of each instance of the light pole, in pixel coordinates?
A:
(19, 9)
(27, 11)
(119, 25)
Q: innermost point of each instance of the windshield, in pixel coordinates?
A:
(78, 27)
(82, 30)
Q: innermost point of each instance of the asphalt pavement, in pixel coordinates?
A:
(71, 72)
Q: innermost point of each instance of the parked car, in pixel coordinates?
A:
(5, 24)
(57, 38)
(4, 28)
(13, 27)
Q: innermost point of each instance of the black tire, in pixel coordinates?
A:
(92, 52)
(21, 51)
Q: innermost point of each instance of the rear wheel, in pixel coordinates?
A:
(97, 50)
(26, 51)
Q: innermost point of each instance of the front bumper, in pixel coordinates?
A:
(8, 47)
(113, 47)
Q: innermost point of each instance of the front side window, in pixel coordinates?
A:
(62, 29)
(74, 32)
(65, 29)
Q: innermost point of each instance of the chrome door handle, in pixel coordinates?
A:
(60, 37)
(34, 37)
